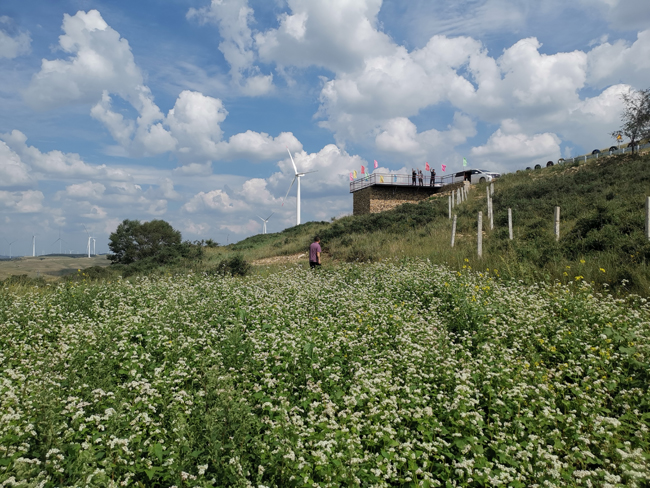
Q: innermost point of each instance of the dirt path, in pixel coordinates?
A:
(292, 258)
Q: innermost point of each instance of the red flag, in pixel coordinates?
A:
(444, 167)
(427, 168)
(363, 170)
(376, 164)
(351, 177)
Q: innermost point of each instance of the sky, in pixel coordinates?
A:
(183, 110)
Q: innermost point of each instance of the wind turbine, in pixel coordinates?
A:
(34, 245)
(297, 176)
(265, 221)
(10, 243)
(59, 240)
(94, 252)
(89, 238)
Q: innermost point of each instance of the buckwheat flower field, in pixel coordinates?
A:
(383, 374)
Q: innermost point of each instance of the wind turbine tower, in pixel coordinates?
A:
(297, 176)
(10, 243)
(89, 238)
(34, 246)
(94, 252)
(265, 221)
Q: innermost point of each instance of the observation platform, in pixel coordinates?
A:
(380, 192)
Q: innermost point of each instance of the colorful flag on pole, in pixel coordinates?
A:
(355, 173)
(376, 164)
(426, 167)
(444, 167)
(381, 178)
(351, 177)
(363, 170)
(464, 161)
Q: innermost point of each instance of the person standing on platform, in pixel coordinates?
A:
(432, 181)
(420, 177)
(414, 176)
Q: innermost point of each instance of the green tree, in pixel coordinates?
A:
(133, 241)
(635, 117)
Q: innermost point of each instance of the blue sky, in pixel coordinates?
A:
(182, 110)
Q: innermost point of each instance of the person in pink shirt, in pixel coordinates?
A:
(314, 253)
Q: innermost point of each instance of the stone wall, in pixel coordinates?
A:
(376, 198)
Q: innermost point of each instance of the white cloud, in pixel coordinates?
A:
(249, 227)
(58, 164)
(509, 149)
(336, 34)
(13, 172)
(12, 46)
(99, 60)
(84, 191)
(399, 135)
(612, 63)
(623, 14)
(233, 18)
(212, 200)
(29, 201)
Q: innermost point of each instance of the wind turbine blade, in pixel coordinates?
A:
(270, 216)
(260, 217)
(86, 229)
(307, 172)
(294, 164)
(285, 197)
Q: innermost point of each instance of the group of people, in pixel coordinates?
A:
(418, 177)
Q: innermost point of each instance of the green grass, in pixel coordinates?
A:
(602, 228)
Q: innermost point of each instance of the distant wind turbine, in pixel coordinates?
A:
(89, 238)
(34, 245)
(265, 221)
(297, 176)
(10, 243)
(59, 240)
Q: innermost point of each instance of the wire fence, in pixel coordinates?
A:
(600, 154)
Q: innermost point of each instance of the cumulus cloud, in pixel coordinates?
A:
(58, 164)
(339, 35)
(84, 191)
(99, 59)
(609, 63)
(400, 135)
(623, 14)
(233, 18)
(13, 172)
(12, 43)
(509, 149)
(29, 201)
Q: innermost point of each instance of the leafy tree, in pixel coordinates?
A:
(123, 242)
(133, 241)
(636, 116)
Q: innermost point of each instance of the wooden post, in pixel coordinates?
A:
(453, 204)
(449, 206)
(453, 231)
(510, 222)
(491, 188)
(557, 223)
(480, 234)
(647, 218)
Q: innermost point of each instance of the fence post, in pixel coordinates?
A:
(449, 206)
(510, 222)
(491, 214)
(480, 234)
(647, 218)
(453, 204)
(557, 223)
(453, 231)
(491, 188)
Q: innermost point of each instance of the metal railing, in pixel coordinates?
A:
(587, 157)
(381, 179)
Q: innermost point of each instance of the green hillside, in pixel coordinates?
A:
(602, 228)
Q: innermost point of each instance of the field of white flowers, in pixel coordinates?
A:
(368, 375)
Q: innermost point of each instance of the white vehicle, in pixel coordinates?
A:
(475, 176)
